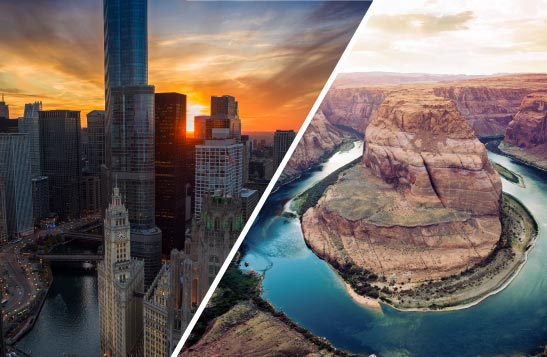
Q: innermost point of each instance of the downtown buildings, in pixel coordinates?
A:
(282, 141)
(121, 285)
(129, 125)
(61, 160)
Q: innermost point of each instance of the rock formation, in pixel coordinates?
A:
(425, 202)
(320, 139)
(526, 136)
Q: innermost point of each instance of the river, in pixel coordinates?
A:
(69, 320)
(311, 294)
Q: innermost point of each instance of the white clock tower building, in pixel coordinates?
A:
(121, 285)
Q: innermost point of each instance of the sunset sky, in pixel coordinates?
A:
(274, 57)
(452, 37)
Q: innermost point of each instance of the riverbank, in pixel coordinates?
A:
(238, 313)
(519, 232)
(459, 291)
(517, 154)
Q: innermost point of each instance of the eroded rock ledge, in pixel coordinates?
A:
(424, 204)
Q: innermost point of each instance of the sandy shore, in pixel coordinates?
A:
(362, 300)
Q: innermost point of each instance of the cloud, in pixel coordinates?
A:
(273, 56)
(417, 24)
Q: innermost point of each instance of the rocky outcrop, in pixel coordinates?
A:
(526, 136)
(247, 331)
(422, 144)
(320, 139)
(425, 202)
(352, 108)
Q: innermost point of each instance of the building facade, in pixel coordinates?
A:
(282, 141)
(129, 125)
(91, 194)
(249, 200)
(60, 146)
(193, 270)
(3, 219)
(120, 282)
(40, 198)
(95, 136)
(29, 124)
(156, 342)
(170, 140)
(15, 171)
(219, 170)
(4, 108)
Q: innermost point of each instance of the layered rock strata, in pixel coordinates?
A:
(526, 136)
(425, 202)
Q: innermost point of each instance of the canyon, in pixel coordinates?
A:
(488, 103)
(424, 203)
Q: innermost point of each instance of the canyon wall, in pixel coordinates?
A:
(423, 205)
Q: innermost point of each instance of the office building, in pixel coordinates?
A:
(3, 220)
(129, 125)
(193, 270)
(4, 108)
(200, 127)
(247, 150)
(156, 341)
(219, 169)
(170, 138)
(95, 144)
(15, 171)
(224, 114)
(60, 132)
(120, 282)
(249, 200)
(29, 124)
(282, 141)
(40, 198)
(91, 194)
(9, 125)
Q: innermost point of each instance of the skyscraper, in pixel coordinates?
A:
(156, 301)
(4, 108)
(282, 141)
(170, 139)
(15, 171)
(120, 281)
(95, 134)
(3, 218)
(61, 160)
(28, 124)
(40, 198)
(219, 170)
(224, 114)
(129, 125)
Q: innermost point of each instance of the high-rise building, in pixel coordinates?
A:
(170, 138)
(200, 127)
(60, 132)
(129, 125)
(282, 141)
(91, 194)
(9, 125)
(95, 135)
(29, 124)
(193, 270)
(219, 170)
(4, 108)
(2, 342)
(156, 336)
(120, 282)
(224, 114)
(249, 200)
(40, 198)
(15, 170)
(3, 219)
(247, 150)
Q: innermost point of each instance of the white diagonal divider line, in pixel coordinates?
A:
(272, 183)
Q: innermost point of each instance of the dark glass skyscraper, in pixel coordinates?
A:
(129, 125)
(171, 180)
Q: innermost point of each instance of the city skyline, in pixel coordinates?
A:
(246, 50)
